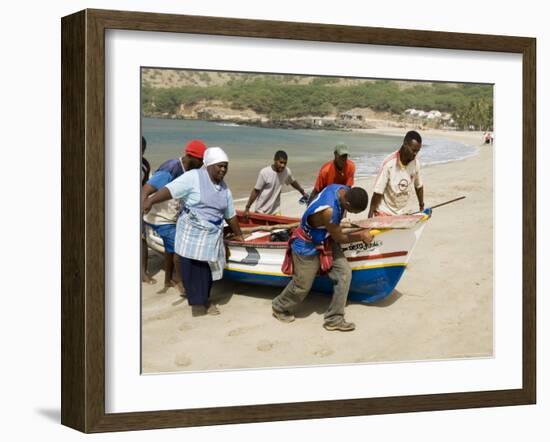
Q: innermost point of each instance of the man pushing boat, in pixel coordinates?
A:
(162, 217)
(315, 246)
(207, 201)
(267, 190)
(341, 170)
(399, 173)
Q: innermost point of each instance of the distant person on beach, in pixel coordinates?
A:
(315, 246)
(398, 175)
(207, 202)
(163, 216)
(341, 170)
(145, 172)
(488, 137)
(267, 191)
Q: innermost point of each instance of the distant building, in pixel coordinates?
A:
(352, 116)
(433, 115)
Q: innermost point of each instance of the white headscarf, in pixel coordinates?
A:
(214, 155)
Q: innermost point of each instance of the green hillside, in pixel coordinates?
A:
(282, 97)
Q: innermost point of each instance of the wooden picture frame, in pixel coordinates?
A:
(83, 220)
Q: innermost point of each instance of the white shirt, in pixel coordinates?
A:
(270, 183)
(395, 183)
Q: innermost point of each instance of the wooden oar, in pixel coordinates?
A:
(445, 203)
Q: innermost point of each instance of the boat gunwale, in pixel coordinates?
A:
(283, 245)
(257, 245)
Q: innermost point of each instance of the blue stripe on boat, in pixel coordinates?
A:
(367, 285)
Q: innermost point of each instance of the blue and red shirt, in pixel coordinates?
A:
(328, 198)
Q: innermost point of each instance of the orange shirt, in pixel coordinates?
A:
(330, 175)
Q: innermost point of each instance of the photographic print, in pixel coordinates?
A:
(316, 202)
(293, 220)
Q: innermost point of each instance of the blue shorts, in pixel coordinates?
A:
(168, 234)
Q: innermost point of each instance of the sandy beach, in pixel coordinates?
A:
(442, 308)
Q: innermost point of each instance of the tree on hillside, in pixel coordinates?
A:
(476, 115)
(284, 97)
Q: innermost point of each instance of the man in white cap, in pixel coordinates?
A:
(207, 201)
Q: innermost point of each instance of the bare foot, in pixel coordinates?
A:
(178, 285)
(181, 289)
(148, 279)
(163, 290)
(212, 309)
(202, 310)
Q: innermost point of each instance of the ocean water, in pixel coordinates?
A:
(251, 148)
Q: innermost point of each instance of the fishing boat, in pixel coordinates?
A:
(377, 266)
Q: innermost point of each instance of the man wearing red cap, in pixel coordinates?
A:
(162, 218)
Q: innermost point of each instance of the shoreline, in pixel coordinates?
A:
(473, 138)
(307, 149)
(441, 309)
(379, 120)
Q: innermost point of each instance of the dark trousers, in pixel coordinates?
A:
(197, 280)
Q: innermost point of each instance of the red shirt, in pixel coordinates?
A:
(330, 175)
